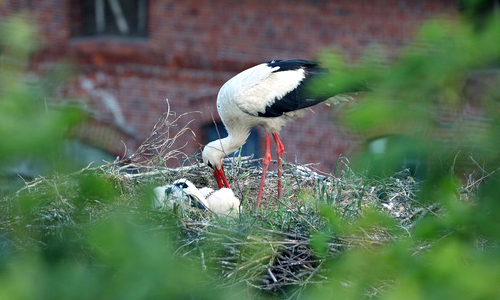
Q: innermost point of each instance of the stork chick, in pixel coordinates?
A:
(183, 191)
(222, 202)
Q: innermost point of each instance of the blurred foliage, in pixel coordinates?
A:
(73, 237)
(28, 126)
(118, 260)
(453, 254)
(78, 238)
(33, 122)
(419, 99)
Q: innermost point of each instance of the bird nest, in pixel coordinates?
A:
(274, 249)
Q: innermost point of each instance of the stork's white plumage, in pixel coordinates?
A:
(269, 94)
(184, 192)
(222, 202)
(181, 192)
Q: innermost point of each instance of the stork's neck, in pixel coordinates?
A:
(215, 151)
(232, 142)
(225, 146)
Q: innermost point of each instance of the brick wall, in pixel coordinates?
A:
(194, 46)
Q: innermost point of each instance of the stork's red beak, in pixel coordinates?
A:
(221, 178)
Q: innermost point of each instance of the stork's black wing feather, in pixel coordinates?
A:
(295, 64)
(300, 97)
(196, 203)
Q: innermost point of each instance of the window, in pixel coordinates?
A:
(127, 18)
(251, 147)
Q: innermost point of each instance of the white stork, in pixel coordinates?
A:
(184, 193)
(269, 94)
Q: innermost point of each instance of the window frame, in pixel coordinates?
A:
(110, 19)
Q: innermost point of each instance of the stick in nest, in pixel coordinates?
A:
(160, 146)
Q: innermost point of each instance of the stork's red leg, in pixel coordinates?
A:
(265, 164)
(279, 149)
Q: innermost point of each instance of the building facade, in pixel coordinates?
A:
(130, 56)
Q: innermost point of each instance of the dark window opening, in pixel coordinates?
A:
(117, 18)
(251, 147)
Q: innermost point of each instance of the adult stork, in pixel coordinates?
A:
(269, 94)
